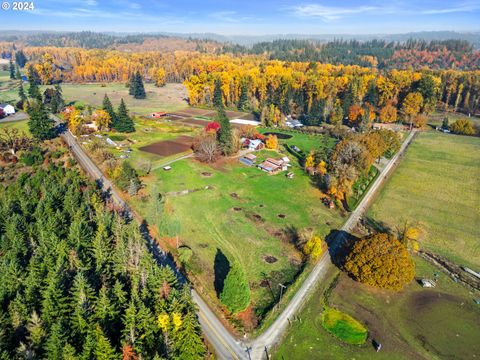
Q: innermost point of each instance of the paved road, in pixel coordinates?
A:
(18, 116)
(225, 344)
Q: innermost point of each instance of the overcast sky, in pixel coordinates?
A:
(246, 17)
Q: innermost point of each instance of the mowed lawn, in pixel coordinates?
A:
(171, 97)
(21, 125)
(437, 186)
(415, 323)
(244, 214)
(8, 88)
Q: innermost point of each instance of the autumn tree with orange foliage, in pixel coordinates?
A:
(388, 113)
(355, 112)
(380, 260)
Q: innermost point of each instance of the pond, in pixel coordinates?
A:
(279, 135)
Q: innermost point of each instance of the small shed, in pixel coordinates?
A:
(427, 283)
(290, 175)
(248, 159)
(158, 114)
(167, 168)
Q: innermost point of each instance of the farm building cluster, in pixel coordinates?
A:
(270, 166)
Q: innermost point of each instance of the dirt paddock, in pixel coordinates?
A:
(169, 147)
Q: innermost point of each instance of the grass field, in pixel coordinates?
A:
(167, 98)
(8, 88)
(20, 125)
(437, 186)
(246, 214)
(305, 142)
(416, 323)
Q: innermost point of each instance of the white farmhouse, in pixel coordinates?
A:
(7, 109)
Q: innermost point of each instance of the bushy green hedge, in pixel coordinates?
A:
(32, 157)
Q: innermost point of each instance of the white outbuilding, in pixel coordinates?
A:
(7, 109)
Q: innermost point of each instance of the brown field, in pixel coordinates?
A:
(247, 117)
(235, 114)
(191, 112)
(169, 147)
(192, 121)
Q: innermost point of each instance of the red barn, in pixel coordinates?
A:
(159, 114)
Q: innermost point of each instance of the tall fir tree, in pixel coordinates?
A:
(243, 100)
(12, 70)
(224, 134)
(22, 96)
(57, 102)
(20, 58)
(124, 122)
(131, 84)
(217, 94)
(33, 90)
(40, 125)
(108, 107)
(18, 75)
(138, 87)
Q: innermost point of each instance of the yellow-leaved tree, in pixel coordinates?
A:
(313, 247)
(412, 104)
(271, 142)
(75, 122)
(102, 119)
(380, 260)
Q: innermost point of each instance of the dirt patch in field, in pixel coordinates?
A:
(427, 299)
(269, 259)
(234, 114)
(193, 112)
(234, 195)
(210, 114)
(255, 217)
(237, 209)
(169, 147)
(206, 174)
(192, 121)
(248, 117)
(282, 216)
(264, 283)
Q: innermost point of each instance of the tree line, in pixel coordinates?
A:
(78, 281)
(445, 54)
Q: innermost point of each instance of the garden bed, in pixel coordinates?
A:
(169, 147)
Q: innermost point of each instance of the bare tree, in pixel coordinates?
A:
(12, 140)
(206, 148)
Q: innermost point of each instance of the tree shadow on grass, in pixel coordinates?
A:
(376, 225)
(339, 244)
(221, 267)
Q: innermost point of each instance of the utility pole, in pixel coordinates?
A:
(249, 348)
(281, 292)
